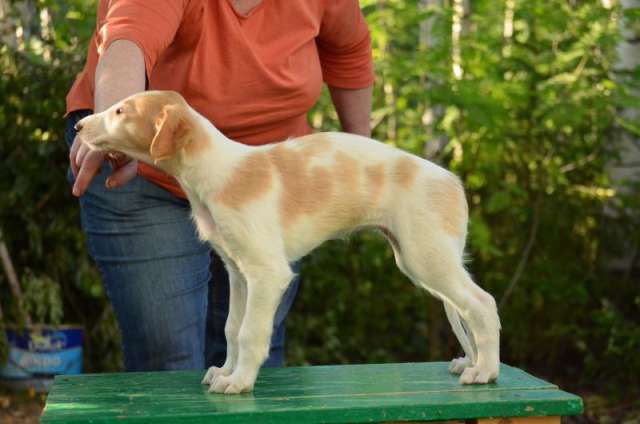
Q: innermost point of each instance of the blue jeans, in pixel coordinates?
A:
(169, 290)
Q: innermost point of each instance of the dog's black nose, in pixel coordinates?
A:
(78, 126)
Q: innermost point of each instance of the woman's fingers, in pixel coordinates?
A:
(80, 155)
(88, 168)
(72, 156)
(85, 164)
(122, 174)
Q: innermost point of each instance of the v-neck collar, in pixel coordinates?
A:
(251, 12)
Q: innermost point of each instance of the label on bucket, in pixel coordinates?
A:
(43, 353)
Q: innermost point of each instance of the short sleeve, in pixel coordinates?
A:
(151, 25)
(344, 45)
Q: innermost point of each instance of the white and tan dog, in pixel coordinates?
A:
(262, 207)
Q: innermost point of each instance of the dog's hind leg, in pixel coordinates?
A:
(479, 312)
(464, 336)
(434, 261)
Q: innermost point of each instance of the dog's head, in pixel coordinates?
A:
(152, 126)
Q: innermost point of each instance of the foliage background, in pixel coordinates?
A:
(532, 122)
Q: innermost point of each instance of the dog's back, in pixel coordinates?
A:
(329, 184)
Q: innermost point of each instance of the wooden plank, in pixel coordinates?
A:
(330, 394)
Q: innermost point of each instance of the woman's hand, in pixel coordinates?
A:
(85, 164)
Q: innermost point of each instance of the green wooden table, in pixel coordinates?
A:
(322, 394)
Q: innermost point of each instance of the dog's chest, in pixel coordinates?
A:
(205, 224)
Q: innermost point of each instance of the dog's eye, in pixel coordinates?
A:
(119, 111)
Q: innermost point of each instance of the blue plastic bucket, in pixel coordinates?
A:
(39, 353)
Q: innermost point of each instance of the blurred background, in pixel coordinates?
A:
(533, 103)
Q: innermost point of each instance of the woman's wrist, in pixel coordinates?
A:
(354, 109)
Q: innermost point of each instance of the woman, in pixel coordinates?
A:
(254, 68)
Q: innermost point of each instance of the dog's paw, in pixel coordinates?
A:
(230, 385)
(478, 375)
(214, 372)
(458, 365)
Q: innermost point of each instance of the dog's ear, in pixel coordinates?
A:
(173, 132)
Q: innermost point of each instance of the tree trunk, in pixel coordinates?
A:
(434, 145)
(628, 167)
(456, 33)
(19, 21)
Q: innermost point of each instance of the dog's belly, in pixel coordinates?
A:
(309, 232)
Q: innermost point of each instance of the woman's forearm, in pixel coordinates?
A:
(119, 74)
(354, 109)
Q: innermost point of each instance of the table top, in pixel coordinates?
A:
(327, 394)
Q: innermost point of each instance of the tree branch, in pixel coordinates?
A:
(533, 233)
(14, 284)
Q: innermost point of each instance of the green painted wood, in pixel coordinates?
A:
(322, 394)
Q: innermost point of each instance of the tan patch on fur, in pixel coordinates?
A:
(173, 132)
(198, 138)
(250, 179)
(314, 144)
(337, 194)
(375, 181)
(147, 107)
(346, 172)
(150, 104)
(446, 197)
(350, 203)
(405, 171)
(303, 190)
(198, 143)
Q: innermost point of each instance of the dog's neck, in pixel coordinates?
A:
(210, 158)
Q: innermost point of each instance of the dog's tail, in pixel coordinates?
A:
(460, 330)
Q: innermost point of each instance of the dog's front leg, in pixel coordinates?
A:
(237, 302)
(265, 286)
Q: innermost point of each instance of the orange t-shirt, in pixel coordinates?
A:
(254, 77)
